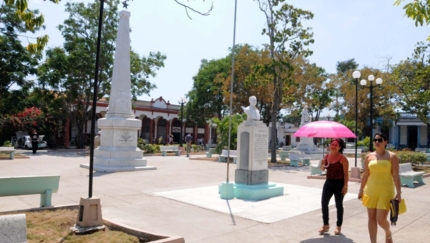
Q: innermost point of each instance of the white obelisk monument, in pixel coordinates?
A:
(118, 145)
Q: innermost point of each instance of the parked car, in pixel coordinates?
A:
(25, 142)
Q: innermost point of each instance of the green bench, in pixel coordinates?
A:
(408, 175)
(210, 152)
(283, 155)
(27, 185)
(8, 150)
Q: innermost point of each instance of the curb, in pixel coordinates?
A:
(152, 237)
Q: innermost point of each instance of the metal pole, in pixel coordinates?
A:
(371, 118)
(231, 88)
(182, 114)
(356, 119)
(93, 118)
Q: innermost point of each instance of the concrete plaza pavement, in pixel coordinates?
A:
(180, 198)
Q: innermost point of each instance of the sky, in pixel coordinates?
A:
(367, 30)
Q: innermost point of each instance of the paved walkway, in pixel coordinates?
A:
(180, 198)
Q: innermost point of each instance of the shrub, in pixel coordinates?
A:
(148, 148)
(414, 158)
(196, 148)
(140, 143)
(7, 144)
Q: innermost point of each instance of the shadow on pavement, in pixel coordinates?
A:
(329, 239)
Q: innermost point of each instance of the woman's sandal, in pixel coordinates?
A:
(389, 239)
(337, 230)
(324, 229)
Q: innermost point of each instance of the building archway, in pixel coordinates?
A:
(161, 130)
(176, 131)
(146, 129)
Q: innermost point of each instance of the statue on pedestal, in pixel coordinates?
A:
(251, 111)
(305, 116)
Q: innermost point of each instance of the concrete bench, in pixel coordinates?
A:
(165, 149)
(316, 169)
(209, 154)
(425, 150)
(13, 228)
(8, 150)
(283, 155)
(295, 158)
(408, 176)
(224, 154)
(27, 185)
(286, 148)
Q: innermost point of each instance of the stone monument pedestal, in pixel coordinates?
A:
(118, 143)
(252, 175)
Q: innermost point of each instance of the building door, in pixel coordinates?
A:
(161, 131)
(412, 137)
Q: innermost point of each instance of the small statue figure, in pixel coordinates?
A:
(251, 111)
(305, 115)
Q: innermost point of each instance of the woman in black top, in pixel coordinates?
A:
(34, 140)
(336, 183)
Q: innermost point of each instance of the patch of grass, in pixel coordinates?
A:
(54, 226)
(7, 155)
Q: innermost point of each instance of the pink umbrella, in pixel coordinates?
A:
(324, 129)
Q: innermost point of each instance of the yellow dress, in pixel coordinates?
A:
(379, 189)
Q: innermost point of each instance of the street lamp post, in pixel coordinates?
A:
(371, 85)
(182, 101)
(356, 75)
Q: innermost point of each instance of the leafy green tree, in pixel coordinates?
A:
(223, 128)
(343, 68)
(313, 87)
(412, 78)
(206, 98)
(418, 10)
(68, 72)
(288, 38)
(16, 63)
(32, 22)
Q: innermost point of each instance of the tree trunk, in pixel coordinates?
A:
(274, 120)
(80, 139)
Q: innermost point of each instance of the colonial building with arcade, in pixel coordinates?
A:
(160, 119)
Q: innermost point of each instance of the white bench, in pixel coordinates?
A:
(165, 149)
(8, 150)
(408, 176)
(27, 185)
(224, 154)
(13, 228)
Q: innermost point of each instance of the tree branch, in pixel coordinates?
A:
(192, 9)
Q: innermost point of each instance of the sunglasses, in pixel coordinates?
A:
(379, 140)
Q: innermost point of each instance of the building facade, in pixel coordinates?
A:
(159, 117)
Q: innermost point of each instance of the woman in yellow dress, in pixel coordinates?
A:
(381, 175)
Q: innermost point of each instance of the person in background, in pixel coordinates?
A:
(171, 139)
(160, 140)
(336, 183)
(188, 140)
(381, 175)
(34, 140)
